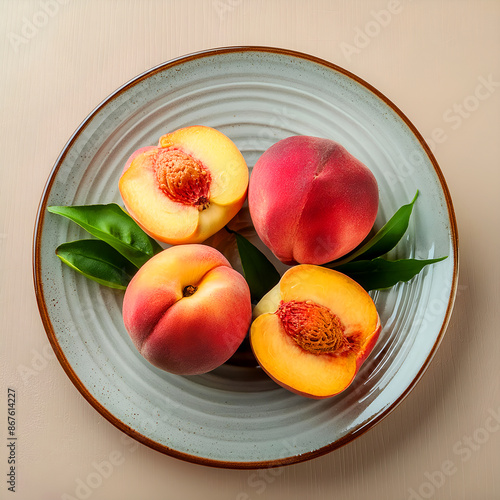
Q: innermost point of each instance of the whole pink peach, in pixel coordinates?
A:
(311, 201)
(187, 310)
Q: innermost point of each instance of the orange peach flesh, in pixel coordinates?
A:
(315, 366)
(186, 189)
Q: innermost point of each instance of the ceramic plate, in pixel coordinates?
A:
(235, 416)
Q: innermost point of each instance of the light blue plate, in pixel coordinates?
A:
(236, 416)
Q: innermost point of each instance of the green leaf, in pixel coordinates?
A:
(385, 239)
(98, 261)
(260, 273)
(113, 225)
(379, 273)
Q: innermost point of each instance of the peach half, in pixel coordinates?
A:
(311, 201)
(187, 188)
(313, 331)
(187, 310)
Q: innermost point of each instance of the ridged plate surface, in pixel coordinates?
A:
(235, 416)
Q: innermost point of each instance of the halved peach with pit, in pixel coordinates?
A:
(313, 331)
(187, 188)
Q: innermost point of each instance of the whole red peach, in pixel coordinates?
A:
(311, 201)
(187, 310)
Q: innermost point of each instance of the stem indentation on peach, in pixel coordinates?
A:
(312, 326)
(182, 178)
(189, 290)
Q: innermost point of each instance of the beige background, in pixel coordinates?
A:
(428, 57)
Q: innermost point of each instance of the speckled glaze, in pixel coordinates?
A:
(236, 416)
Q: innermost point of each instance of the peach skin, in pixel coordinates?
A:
(186, 310)
(311, 201)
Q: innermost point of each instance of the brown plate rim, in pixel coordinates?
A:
(42, 306)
